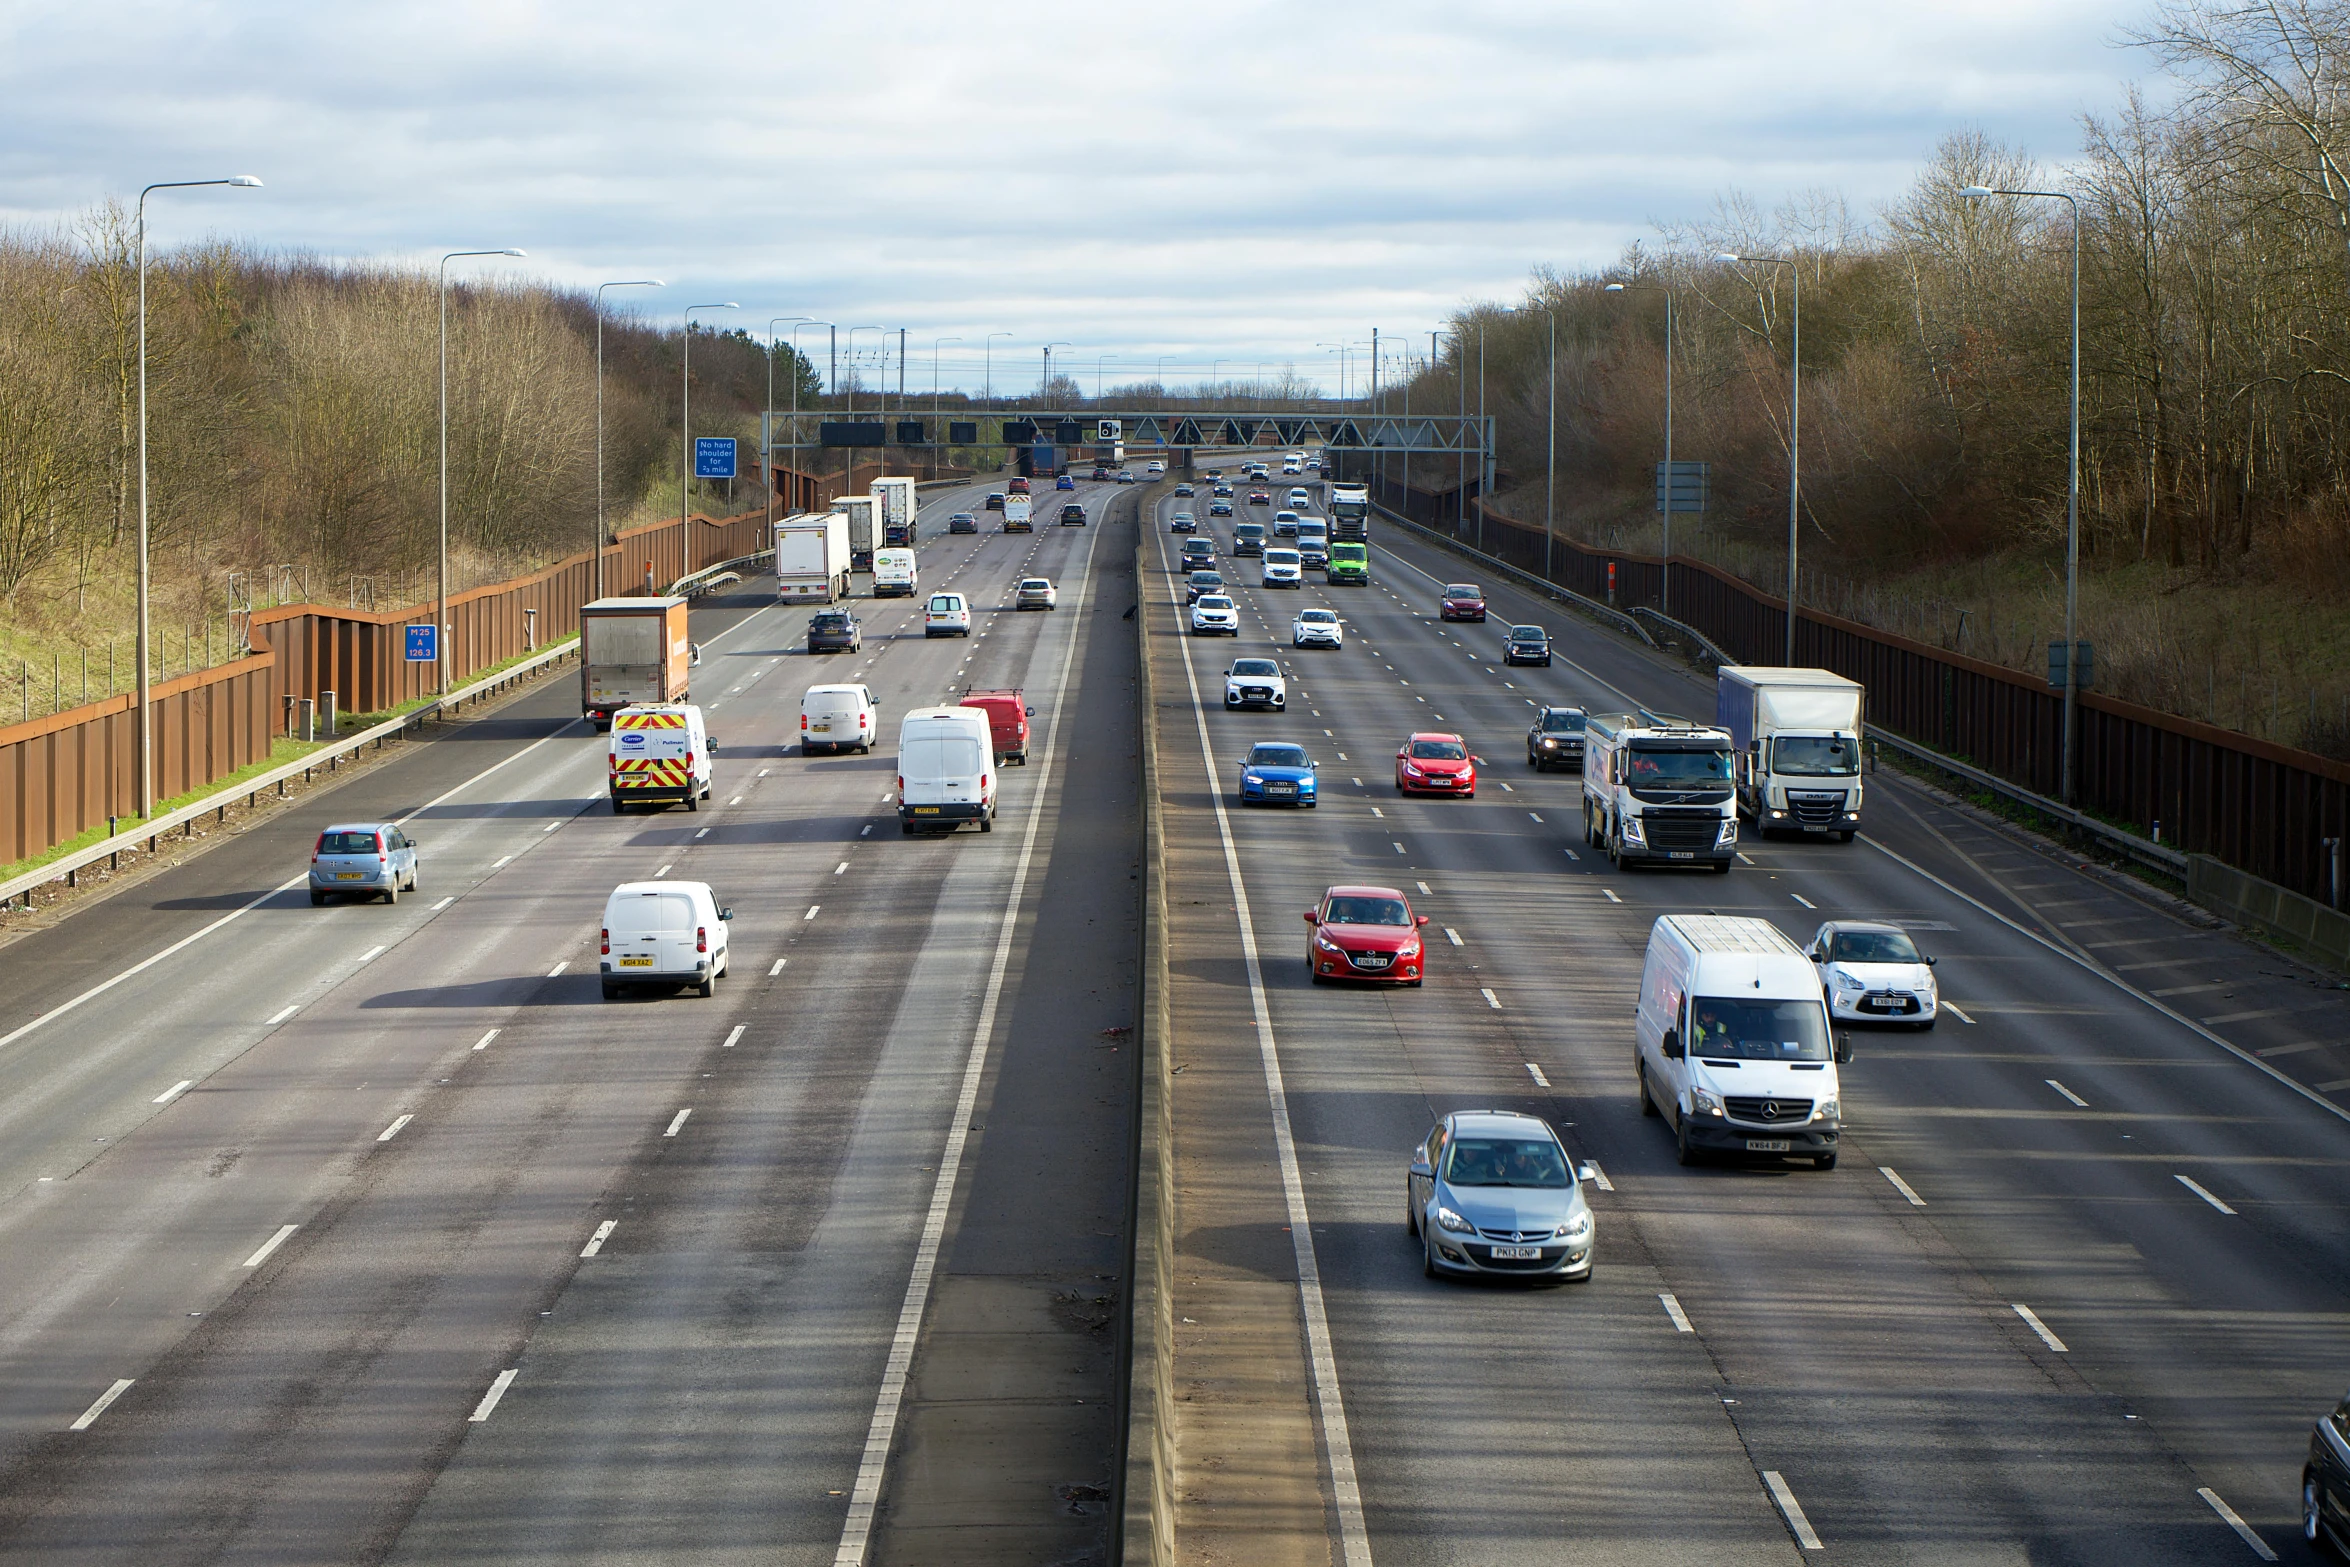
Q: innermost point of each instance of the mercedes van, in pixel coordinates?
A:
(659, 753)
(947, 769)
(1733, 1041)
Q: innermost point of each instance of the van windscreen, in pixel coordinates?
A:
(1758, 1030)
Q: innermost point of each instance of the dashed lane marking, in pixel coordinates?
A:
(732, 1037)
(596, 1241)
(678, 1121)
(2203, 1192)
(1491, 999)
(483, 1043)
(174, 1091)
(2032, 1320)
(1673, 1310)
(91, 1414)
(2077, 1101)
(1535, 1073)
(1791, 1510)
(393, 1130)
(489, 1400)
(1452, 935)
(270, 1245)
(1908, 1193)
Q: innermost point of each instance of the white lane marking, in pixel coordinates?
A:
(777, 969)
(1505, 788)
(865, 1497)
(550, 827)
(703, 833)
(1491, 999)
(489, 1400)
(500, 861)
(273, 1243)
(763, 772)
(2077, 1100)
(1321, 1359)
(2203, 1192)
(663, 871)
(1375, 811)
(1674, 1311)
(596, 1241)
(1535, 1073)
(1399, 848)
(444, 903)
(121, 1386)
(1792, 1510)
(811, 914)
(1908, 1192)
(1424, 892)
(483, 1043)
(1572, 855)
(558, 968)
(862, 831)
(174, 1091)
(737, 1034)
(1342, 756)
(1358, 783)
(2032, 1320)
(1742, 859)
(1611, 895)
(393, 1130)
(281, 1017)
(2212, 1499)
(841, 869)
(371, 952)
(678, 1122)
(1800, 898)
(1598, 1176)
(1535, 814)
(1953, 1009)
(737, 800)
(1452, 935)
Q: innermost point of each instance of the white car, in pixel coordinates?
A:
(1214, 615)
(1285, 524)
(1316, 628)
(1874, 973)
(1255, 682)
(1299, 500)
(946, 615)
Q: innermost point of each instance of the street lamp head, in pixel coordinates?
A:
(1615, 288)
(246, 181)
(513, 252)
(1730, 256)
(1977, 192)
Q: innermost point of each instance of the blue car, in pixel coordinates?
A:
(1277, 773)
(1064, 482)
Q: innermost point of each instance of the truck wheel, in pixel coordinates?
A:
(617, 805)
(1683, 1151)
(693, 800)
(1647, 1099)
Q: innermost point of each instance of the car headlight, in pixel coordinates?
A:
(1410, 768)
(1704, 1101)
(1550, 745)
(1327, 945)
(1828, 1110)
(1575, 1228)
(1449, 1220)
(1850, 981)
(1408, 950)
(1251, 779)
(1633, 832)
(1729, 832)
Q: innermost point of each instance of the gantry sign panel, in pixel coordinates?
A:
(1343, 431)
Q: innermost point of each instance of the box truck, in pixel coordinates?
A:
(900, 511)
(864, 515)
(812, 558)
(632, 652)
(1797, 734)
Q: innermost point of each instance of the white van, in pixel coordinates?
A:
(838, 718)
(947, 615)
(946, 769)
(894, 574)
(663, 933)
(1734, 1041)
(659, 752)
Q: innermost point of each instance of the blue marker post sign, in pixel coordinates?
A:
(423, 644)
(713, 456)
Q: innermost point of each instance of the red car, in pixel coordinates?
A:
(1435, 764)
(1462, 601)
(1259, 498)
(1365, 933)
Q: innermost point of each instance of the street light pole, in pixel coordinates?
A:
(1045, 392)
(144, 747)
(767, 430)
(596, 555)
(1097, 377)
(987, 365)
(440, 635)
(685, 427)
(2072, 492)
(848, 479)
(934, 407)
(795, 394)
(1665, 591)
(1794, 427)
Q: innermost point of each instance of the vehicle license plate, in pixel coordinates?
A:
(1768, 1145)
(820, 729)
(636, 963)
(1517, 1254)
(350, 876)
(1371, 960)
(925, 810)
(1681, 854)
(1281, 788)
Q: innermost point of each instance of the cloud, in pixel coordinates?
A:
(1211, 181)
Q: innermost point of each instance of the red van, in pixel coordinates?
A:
(1007, 719)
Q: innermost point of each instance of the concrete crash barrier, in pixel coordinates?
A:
(2264, 906)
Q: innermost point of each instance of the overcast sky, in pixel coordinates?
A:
(1199, 181)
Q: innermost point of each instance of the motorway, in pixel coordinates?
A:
(2074, 1294)
(371, 1233)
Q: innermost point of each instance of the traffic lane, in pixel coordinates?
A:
(1458, 1432)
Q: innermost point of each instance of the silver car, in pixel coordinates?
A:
(1492, 1192)
(367, 859)
(1874, 973)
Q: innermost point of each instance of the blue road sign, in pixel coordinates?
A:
(423, 644)
(713, 456)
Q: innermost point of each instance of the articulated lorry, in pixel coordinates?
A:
(899, 511)
(864, 517)
(1797, 734)
(1350, 511)
(1657, 789)
(633, 652)
(812, 556)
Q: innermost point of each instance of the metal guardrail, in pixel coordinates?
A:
(1682, 628)
(1523, 578)
(68, 868)
(2171, 862)
(692, 582)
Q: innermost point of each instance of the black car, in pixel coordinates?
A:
(962, 522)
(1182, 522)
(835, 631)
(1556, 740)
(1527, 645)
(1198, 554)
(2325, 1483)
(1202, 582)
(1073, 515)
(995, 502)
(1185, 489)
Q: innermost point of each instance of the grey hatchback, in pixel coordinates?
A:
(370, 859)
(1492, 1192)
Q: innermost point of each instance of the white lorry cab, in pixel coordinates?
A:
(658, 754)
(665, 933)
(946, 769)
(895, 574)
(1798, 738)
(1734, 1043)
(838, 718)
(1656, 789)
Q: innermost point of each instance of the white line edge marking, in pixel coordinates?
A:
(842, 868)
(371, 954)
(393, 1130)
(444, 903)
(1908, 1192)
(1424, 892)
(2212, 1499)
(865, 1496)
(1535, 1072)
(282, 1016)
(2203, 1192)
(272, 1244)
(2032, 1320)
(174, 1091)
(1800, 898)
(679, 1121)
(1599, 1175)
(501, 862)
(1491, 999)
(596, 1241)
(483, 1043)
(1611, 894)
(1672, 1305)
(1952, 1008)
(776, 969)
(558, 968)
(2077, 1100)
(737, 1034)
(811, 914)
(1452, 936)
(489, 1400)
(1791, 1510)
(123, 1385)
(551, 826)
